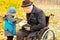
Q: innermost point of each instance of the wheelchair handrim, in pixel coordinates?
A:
(45, 34)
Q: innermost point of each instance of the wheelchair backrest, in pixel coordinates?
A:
(47, 20)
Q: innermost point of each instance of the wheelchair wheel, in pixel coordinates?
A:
(48, 35)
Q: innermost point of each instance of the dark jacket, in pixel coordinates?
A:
(37, 19)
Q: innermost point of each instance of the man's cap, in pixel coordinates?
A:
(26, 3)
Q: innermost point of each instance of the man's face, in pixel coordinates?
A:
(27, 9)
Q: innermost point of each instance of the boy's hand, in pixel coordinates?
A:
(27, 28)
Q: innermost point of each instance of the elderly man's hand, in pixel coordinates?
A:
(27, 28)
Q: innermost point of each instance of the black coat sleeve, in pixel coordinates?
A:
(41, 22)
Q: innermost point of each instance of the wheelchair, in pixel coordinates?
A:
(43, 33)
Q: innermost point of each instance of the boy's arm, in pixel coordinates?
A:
(14, 20)
(9, 17)
(18, 20)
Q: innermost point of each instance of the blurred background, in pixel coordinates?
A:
(48, 6)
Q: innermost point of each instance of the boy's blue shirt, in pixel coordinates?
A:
(10, 27)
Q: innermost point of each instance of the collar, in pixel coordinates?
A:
(33, 10)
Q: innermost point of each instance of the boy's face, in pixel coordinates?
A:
(14, 14)
(27, 9)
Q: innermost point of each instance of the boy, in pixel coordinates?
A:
(10, 23)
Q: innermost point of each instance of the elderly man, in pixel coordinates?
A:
(35, 18)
